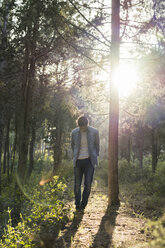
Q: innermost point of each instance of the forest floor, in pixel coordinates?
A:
(99, 227)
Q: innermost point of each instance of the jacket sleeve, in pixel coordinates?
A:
(97, 142)
(72, 142)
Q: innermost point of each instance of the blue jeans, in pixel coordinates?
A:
(83, 167)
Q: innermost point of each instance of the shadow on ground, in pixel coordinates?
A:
(66, 239)
(103, 238)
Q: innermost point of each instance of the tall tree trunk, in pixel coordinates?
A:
(0, 158)
(141, 151)
(26, 97)
(6, 157)
(57, 148)
(141, 146)
(4, 35)
(3, 47)
(1, 138)
(31, 152)
(25, 119)
(113, 195)
(14, 149)
(129, 146)
(154, 150)
(7, 148)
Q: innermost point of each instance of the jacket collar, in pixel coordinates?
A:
(87, 129)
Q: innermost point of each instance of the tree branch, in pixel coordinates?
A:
(90, 23)
(83, 30)
(79, 51)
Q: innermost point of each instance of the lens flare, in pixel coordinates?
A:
(125, 79)
(42, 188)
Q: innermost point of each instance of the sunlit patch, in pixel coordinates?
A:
(125, 79)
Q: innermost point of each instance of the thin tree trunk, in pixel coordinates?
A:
(7, 149)
(1, 138)
(26, 105)
(113, 195)
(141, 147)
(4, 35)
(14, 149)
(154, 151)
(4, 159)
(57, 148)
(31, 153)
(129, 147)
(5, 154)
(141, 151)
(27, 95)
(0, 157)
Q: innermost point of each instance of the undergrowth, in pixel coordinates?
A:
(42, 210)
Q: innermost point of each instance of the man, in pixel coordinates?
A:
(85, 147)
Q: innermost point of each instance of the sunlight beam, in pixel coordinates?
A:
(125, 79)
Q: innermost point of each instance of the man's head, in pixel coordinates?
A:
(83, 123)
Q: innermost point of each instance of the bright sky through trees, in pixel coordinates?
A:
(126, 78)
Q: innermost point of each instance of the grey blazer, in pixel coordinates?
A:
(93, 144)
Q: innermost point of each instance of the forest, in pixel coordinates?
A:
(60, 60)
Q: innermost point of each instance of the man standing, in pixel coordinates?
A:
(85, 147)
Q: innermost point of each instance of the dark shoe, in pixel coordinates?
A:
(82, 207)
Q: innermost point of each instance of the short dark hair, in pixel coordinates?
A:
(82, 121)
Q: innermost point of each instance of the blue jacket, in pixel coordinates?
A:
(92, 141)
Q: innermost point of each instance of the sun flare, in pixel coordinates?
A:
(125, 79)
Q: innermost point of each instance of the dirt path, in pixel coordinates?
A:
(98, 227)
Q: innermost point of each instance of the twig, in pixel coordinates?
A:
(90, 23)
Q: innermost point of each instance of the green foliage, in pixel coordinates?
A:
(157, 230)
(16, 237)
(155, 183)
(41, 214)
(130, 173)
(101, 173)
(66, 170)
(6, 198)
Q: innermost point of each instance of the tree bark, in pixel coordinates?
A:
(26, 98)
(25, 112)
(14, 149)
(113, 194)
(154, 150)
(129, 146)
(1, 138)
(140, 146)
(4, 158)
(57, 148)
(25, 126)
(4, 35)
(31, 153)
(7, 149)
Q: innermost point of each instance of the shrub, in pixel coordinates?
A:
(44, 210)
(129, 172)
(16, 237)
(155, 183)
(157, 230)
(101, 173)
(66, 170)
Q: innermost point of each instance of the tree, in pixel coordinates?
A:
(113, 195)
